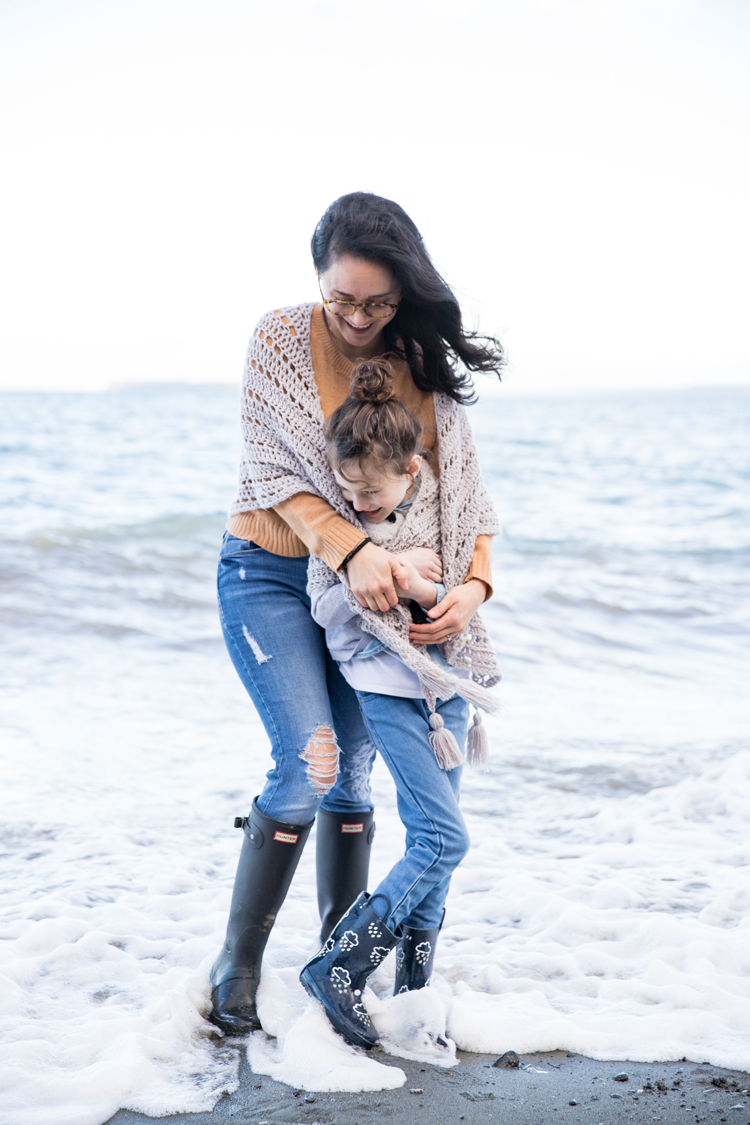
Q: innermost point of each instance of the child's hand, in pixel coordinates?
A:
(426, 563)
(415, 586)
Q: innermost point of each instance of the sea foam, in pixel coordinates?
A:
(603, 907)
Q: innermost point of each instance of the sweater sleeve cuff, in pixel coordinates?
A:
(323, 531)
(481, 563)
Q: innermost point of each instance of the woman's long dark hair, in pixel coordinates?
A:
(427, 330)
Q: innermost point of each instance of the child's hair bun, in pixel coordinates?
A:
(372, 381)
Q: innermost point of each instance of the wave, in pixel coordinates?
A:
(170, 526)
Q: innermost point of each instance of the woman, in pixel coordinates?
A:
(381, 295)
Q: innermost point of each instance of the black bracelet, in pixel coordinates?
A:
(351, 554)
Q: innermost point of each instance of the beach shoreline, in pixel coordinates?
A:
(545, 1088)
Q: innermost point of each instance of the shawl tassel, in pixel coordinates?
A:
(443, 743)
(478, 745)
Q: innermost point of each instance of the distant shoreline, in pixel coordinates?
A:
(484, 389)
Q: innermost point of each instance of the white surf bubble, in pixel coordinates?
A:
(300, 1048)
(413, 1026)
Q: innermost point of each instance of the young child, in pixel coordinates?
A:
(414, 699)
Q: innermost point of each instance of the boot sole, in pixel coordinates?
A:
(349, 1036)
(233, 1025)
(229, 1024)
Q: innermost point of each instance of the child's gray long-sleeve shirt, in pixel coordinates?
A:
(345, 636)
(365, 662)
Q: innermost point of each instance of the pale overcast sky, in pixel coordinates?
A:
(580, 170)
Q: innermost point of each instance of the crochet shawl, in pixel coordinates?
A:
(283, 453)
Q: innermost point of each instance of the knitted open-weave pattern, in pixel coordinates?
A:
(470, 649)
(283, 453)
(283, 449)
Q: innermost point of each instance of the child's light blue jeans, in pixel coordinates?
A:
(436, 836)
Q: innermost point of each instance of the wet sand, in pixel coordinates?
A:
(572, 1090)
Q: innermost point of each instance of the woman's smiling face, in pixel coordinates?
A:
(355, 279)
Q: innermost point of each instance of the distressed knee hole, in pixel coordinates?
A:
(322, 757)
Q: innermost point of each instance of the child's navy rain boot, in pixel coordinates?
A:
(336, 976)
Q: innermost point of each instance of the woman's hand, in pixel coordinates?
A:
(371, 575)
(426, 563)
(451, 615)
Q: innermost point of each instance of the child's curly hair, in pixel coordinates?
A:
(372, 424)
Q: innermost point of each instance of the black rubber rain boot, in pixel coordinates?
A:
(415, 957)
(269, 857)
(342, 861)
(337, 975)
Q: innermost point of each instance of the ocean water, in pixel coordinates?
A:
(605, 905)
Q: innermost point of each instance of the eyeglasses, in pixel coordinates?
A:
(377, 310)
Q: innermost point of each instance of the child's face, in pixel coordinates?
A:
(373, 491)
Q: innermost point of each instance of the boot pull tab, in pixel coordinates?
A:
(255, 836)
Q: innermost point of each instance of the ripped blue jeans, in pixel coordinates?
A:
(322, 752)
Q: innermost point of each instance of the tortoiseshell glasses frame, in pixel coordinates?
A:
(378, 310)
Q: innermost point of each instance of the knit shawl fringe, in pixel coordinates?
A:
(443, 742)
(478, 753)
